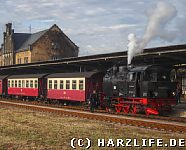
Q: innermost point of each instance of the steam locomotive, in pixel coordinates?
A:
(137, 89)
(132, 90)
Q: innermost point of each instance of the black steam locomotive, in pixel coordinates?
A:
(139, 89)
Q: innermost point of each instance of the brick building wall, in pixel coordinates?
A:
(53, 45)
(23, 57)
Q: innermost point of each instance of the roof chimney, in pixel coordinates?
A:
(8, 28)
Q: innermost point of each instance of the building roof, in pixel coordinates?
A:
(23, 42)
(19, 39)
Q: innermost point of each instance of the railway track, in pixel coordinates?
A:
(81, 108)
(170, 126)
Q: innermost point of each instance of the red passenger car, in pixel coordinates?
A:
(26, 85)
(73, 86)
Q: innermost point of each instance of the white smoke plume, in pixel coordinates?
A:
(156, 28)
(132, 47)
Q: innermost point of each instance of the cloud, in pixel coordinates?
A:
(116, 27)
(90, 22)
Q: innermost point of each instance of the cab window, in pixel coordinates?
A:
(131, 76)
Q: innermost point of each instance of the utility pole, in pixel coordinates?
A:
(30, 28)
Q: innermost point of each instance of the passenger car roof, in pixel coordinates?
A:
(4, 76)
(26, 76)
(72, 75)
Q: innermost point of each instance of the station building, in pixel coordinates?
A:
(49, 44)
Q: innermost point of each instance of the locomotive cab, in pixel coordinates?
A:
(150, 82)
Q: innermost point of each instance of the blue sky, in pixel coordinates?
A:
(96, 26)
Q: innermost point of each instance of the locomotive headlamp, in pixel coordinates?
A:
(164, 77)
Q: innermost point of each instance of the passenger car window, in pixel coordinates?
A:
(81, 84)
(50, 84)
(67, 84)
(31, 83)
(36, 83)
(61, 84)
(27, 83)
(55, 84)
(12, 83)
(15, 83)
(74, 84)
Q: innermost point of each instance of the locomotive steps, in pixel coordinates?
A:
(140, 122)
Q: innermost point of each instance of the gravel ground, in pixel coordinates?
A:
(26, 130)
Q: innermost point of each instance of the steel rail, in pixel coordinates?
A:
(86, 108)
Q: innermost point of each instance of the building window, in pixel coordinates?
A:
(55, 84)
(61, 84)
(26, 60)
(19, 61)
(54, 58)
(67, 84)
(81, 84)
(50, 84)
(74, 84)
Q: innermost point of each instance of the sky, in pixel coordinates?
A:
(95, 26)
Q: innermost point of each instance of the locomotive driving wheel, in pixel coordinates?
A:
(134, 109)
(118, 109)
(126, 109)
